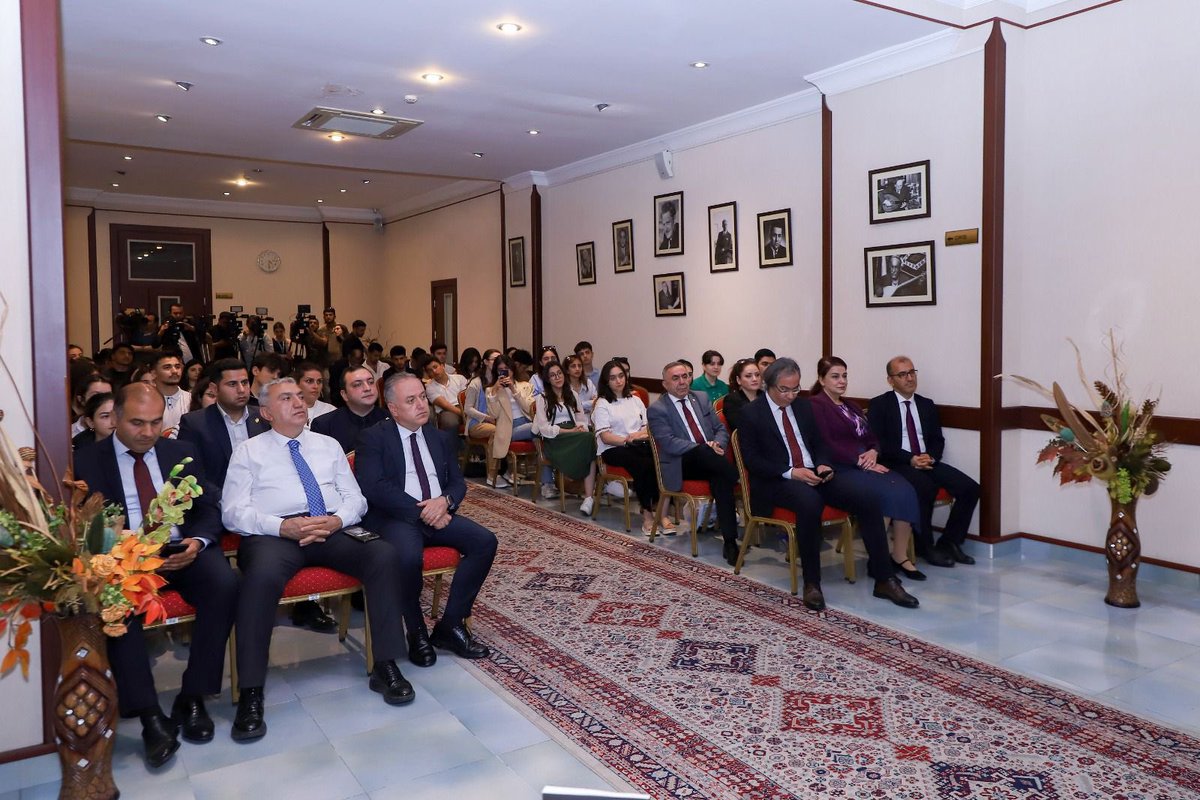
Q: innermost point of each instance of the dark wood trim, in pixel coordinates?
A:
(958, 417)
(535, 263)
(209, 216)
(991, 355)
(435, 290)
(22, 753)
(447, 205)
(93, 281)
(1090, 548)
(1176, 430)
(119, 234)
(826, 228)
(326, 267)
(503, 273)
(991, 20)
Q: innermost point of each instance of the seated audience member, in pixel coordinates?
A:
(143, 373)
(375, 361)
(911, 443)
(311, 381)
(280, 343)
(398, 358)
(87, 387)
(353, 357)
(567, 441)
(510, 404)
(480, 424)
(168, 374)
(691, 446)
(442, 390)
(622, 439)
(265, 368)
(709, 380)
(216, 431)
(764, 358)
(624, 362)
(98, 420)
(468, 363)
(204, 394)
(410, 476)
(854, 449)
(586, 354)
(121, 366)
(417, 354)
(192, 371)
(547, 355)
(790, 467)
(129, 468)
(745, 384)
(74, 352)
(361, 409)
(522, 362)
(582, 387)
(289, 493)
(438, 351)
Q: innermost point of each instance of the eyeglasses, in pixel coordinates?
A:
(548, 348)
(620, 358)
(788, 389)
(908, 373)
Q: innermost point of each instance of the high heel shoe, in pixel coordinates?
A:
(914, 573)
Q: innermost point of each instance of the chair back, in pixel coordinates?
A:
(350, 458)
(719, 406)
(658, 468)
(462, 404)
(724, 421)
(743, 480)
(642, 393)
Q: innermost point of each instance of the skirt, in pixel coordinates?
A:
(572, 453)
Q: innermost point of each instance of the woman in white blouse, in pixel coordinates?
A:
(581, 386)
(510, 404)
(566, 441)
(623, 439)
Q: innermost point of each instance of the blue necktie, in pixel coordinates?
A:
(312, 490)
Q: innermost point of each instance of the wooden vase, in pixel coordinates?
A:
(1123, 550)
(85, 710)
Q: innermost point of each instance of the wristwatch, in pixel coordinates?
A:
(451, 506)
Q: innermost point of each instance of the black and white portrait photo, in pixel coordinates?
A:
(585, 262)
(668, 295)
(668, 224)
(516, 261)
(722, 238)
(900, 275)
(775, 238)
(900, 192)
(623, 246)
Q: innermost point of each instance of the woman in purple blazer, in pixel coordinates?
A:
(855, 453)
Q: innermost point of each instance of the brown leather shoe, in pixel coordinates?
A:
(813, 598)
(892, 590)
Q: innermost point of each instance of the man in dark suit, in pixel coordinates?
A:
(776, 246)
(361, 410)
(911, 443)
(723, 252)
(789, 468)
(668, 226)
(129, 468)
(691, 445)
(409, 473)
(668, 294)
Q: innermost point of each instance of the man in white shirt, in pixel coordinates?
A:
(375, 361)
(443, 390)
(168, 372)
(290, 492)
(311, 380)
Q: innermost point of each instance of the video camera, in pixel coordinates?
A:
(132, 318)
(300, 332)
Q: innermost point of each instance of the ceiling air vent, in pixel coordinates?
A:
(355, 123)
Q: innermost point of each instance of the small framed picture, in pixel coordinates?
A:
(585, 262)
(623, 246)
(516, 261)
(669, 300)
(899, 192)
(668, 224)
(722, 238)
(900, 275)
(775, 238)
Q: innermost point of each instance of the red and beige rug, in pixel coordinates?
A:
(692, 682)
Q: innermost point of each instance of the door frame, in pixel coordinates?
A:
(436, 289)
(200, 238)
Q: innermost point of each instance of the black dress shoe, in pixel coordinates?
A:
(249, 724)
(913, 573)
(954, 550)
(813, 597)
(459, 641)
(420, 651)
(193, 719)
(730, 552)
(387, 680)
(309, 614)
(892, 590)
(160, 738)
(937, 557)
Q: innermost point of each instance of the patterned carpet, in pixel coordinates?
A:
(694, 683)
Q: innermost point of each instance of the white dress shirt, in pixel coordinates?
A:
(262, 485)
(133, 503)
(624, 417)
(901, 399)
(694, 408)
(177, 405)
(238, 432)
(412, 483)
(586, 396)
(449, 392)
(318, 408)
(777, 412)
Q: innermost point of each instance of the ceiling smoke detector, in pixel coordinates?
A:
(355, 123)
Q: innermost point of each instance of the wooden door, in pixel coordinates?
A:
(153, 267)
(445, 315)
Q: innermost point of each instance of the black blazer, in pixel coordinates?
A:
(345, 426)
(97, 466)
(379, 465)
(205, 430)
(764, 451)
(883, 414)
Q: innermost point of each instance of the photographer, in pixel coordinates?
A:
(303, 334)
(178, 332)
(254, 340)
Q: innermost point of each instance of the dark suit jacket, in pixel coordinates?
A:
(345, 426)
(379, 465)
(97, 466)
(674, 439)
(205, 430)
(764, 451)
(888, 424)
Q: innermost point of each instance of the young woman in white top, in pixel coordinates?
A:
(566, 439)
(581, 386)
(623, 439)
(480, 424)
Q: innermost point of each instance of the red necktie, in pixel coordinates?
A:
(914, 444)
(141, 479)
(793, 443)
(691, 421)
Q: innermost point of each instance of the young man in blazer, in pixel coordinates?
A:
(408, 471)
(910, 435)
(129, 468)
(691, 445)
(789, 468)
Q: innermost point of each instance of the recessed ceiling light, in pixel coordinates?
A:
(699, 64)
(129, 158)
(184, 85)
(336, 137)
(343, 191)
(211, 41)
(320, 201)
(115, 185)
(162, 117)
(377, 111)
(477, 155)
(242, 181)
(508, 27)
(433, 77)
(158, 247)
(533, 132)
(225, 193)
(366, 181)
(601, 106)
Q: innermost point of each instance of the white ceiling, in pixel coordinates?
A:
(279, 59)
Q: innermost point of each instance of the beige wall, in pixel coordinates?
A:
(356, 254)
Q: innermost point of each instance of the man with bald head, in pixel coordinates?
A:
(129, 468)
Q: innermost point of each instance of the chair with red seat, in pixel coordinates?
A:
(605, 474)
(484, 445)
(642, 393)
(693, 493)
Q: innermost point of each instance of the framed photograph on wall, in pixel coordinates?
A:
(775, 238)
(668, 224)
(899, 192)
(585, 262)
(623, 246)
(722, 238)
(516, 261)
(669, 300)
(900, 275)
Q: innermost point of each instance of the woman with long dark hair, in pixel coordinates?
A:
(566, 440)
(581, 386)
(745, 385)
(480, 424)
(510, 404)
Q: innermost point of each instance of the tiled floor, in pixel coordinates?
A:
(1032, 608)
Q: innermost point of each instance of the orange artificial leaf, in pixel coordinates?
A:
(24, 630)
(3, 626)
(154, 611)
(10, 661)
(23, 657)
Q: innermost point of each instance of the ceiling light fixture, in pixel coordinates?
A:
(336, 137)
(211, 41)
(601, 106)
(366, 181)
(343, 191)
(320, 201)
(477, 155)
(377, 111)
(184, 85)
(508, 27)
(115, 185)
(162, 117)
(410, 98)
(242, 181)
(533, 132)
(225, 193)
(699, 64)
(433, 77)
(129, 158)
